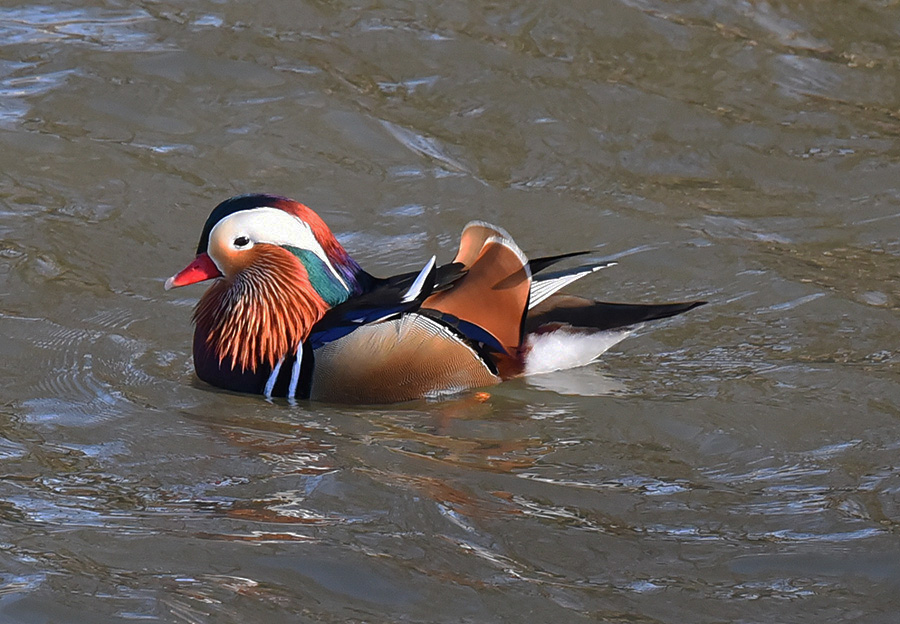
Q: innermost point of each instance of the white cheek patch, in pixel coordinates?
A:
(265, 225)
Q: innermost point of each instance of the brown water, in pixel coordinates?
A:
(736, 464)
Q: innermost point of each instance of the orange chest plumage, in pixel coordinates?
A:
(266, 311)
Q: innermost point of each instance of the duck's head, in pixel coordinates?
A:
(277, 269)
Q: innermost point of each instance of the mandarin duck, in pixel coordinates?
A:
(291, 314)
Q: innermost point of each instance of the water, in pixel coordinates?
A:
(735, 464)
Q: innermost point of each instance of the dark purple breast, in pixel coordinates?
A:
(222, 375)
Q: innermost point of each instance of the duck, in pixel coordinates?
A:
(289, 313)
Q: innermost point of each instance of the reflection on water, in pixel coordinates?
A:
(738, 460)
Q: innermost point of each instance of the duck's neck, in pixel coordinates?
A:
(357, 280)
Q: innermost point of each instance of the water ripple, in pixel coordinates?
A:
(26, 83)
(425, 146)
(787, 535)
(20, 583)
(114, 30)
(85, 371)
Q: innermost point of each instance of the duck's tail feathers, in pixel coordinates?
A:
(539, 264)
(564, 331)
(545, 285)
(586, 314)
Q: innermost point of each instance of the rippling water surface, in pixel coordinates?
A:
(738, 463)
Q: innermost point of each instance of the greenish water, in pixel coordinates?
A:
(736, 464)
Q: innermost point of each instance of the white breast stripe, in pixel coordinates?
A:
(295, 373)
(270, 384)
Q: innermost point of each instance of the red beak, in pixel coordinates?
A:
(202, 268)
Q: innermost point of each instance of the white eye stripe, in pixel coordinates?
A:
(267, 225)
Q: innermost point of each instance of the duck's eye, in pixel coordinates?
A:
(241, 241)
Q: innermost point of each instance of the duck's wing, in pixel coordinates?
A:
(441, 341)
(586, 314)
(481, 246)
(444, 277)
(386, 299)
(539, 264)
(492, 296)
(547, 284)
